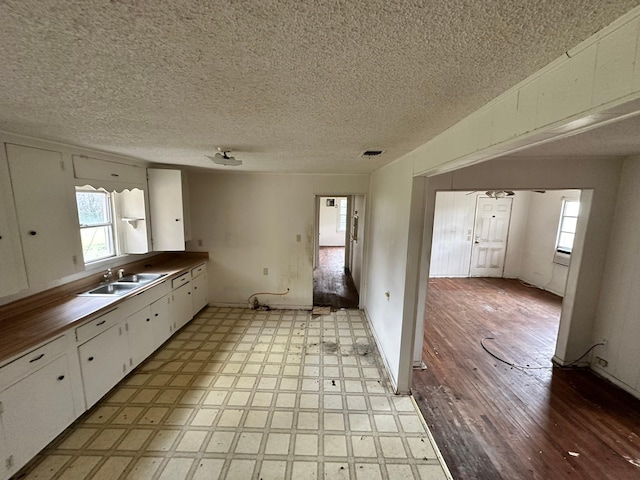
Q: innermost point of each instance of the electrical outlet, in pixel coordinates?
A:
(265, 271)
(298, 238)
(199, 243)
(602, 362)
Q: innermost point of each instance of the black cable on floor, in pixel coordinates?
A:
(522, 367)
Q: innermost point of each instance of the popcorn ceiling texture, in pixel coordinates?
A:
(289, 86)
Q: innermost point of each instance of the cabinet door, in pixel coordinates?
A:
(182, 305)
(165, 207)
(162, 320)
(35, 410)
(199, 292)
(103, 362)
(47, 216)
(14, 275)
(140, 336)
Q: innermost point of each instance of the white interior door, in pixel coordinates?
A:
(490, 237)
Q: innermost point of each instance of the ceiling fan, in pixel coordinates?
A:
(503, 193)
(222, 158)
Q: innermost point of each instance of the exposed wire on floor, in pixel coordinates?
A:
(256, 305)
(527, 367)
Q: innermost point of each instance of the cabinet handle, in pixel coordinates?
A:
(148, 319)
(177, 219)
(35, 359)
(32, 232)
(60, 378)
(90, 359)
(100, 323)
(155, 315)
(115, 175)
(189, 293)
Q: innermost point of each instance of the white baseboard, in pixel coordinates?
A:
(392, 380)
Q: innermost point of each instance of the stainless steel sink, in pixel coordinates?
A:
(124, 285)
(114, 289)
(141, 278)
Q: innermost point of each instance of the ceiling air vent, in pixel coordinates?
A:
(371, 153)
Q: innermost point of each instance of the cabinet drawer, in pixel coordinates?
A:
(94, 169)
(198, 270)
(181, 280)
(97, 325)
(31, 361)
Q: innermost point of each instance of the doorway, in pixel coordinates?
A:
(469, 397)
(337, 227)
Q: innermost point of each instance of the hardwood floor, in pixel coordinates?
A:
(493, 421)
(332, 283)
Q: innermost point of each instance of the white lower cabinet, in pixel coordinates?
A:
(199, 292)
(163, 324)
(37, 390)
(34, 411)
(182, 305)
(104, 362)
(140, 335)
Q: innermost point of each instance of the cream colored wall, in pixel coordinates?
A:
(618, 314)
(388, 218)
(249, 222)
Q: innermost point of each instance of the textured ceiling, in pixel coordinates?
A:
(288, 85)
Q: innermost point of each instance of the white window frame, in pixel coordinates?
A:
(114, 251)
(339, 227)
(562, 255)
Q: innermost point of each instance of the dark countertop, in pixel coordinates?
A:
(28, 322)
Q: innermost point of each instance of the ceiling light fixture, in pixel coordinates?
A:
(221, 158)
(499, 193)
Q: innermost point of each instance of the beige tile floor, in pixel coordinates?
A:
(241, 394)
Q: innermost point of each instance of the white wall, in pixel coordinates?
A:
(618, 315)
(357, 247)
(537, 267)
(452, 234)
(328, 226)
(248, 222)
(517, 227)
(388, 218)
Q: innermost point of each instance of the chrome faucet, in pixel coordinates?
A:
(121, 274)
(108, 276)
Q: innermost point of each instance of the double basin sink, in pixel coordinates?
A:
(125, 285)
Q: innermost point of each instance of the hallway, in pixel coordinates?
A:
(332, 283)
(493, 421)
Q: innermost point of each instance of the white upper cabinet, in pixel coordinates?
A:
(166, 209)
(93, 169)
(14, 276)
(42, 184)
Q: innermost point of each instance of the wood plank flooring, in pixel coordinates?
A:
(332, 284)
(492, 421)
